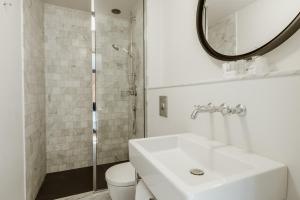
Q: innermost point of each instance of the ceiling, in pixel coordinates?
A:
(102, 6)
(105, 6)
(84, 5)
(217, 9)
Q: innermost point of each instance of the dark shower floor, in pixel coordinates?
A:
(71, 182)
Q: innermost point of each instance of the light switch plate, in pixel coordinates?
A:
(163, 106)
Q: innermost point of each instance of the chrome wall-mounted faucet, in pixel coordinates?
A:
(239, 110)
(209, 108)
(224, 109)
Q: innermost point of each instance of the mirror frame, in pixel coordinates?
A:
(292, 28)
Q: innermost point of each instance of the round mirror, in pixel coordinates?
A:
(240, 29)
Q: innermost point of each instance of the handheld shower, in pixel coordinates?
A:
(118, 48)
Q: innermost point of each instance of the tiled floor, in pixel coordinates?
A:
(89, 196)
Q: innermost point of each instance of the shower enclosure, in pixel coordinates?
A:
(119, 81)
(94, 93)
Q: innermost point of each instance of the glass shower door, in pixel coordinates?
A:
(118, 52)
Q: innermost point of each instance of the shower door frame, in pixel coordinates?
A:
(95, 132)
(94, 105)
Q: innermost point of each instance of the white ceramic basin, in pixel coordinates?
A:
(164, 163)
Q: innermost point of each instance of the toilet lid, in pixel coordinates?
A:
(121, 175)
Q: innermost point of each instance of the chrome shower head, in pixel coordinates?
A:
(118, 48)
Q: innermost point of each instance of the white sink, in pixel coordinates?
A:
(164, 163)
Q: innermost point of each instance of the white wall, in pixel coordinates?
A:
(173, 46)
(271, 127)
(252, 21)
(11, 122)
(154, 39)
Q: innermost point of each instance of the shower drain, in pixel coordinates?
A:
(197, 172)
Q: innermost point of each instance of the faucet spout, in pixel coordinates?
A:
(195, 114)
(200, 109)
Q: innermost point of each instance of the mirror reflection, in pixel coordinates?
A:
(235, 27)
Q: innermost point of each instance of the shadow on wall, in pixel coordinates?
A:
(228, 138)
(212, 127)
(246, 132)
(227, 131)
(293, 194)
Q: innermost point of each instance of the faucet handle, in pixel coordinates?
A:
(211, 108)
(196, 107)
(240, 110)
(225, 109)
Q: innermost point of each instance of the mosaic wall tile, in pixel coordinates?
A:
(34, 96)
(68, 88)
(112, 69)
(115, 105)
(138, 44)
(222, 35)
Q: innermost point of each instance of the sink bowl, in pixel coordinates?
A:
(226, 172)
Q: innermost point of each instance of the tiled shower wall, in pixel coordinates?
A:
(68, 88)
(222, 35)
(114, 70)
(34, 96)
(111, 86)
(138, 47)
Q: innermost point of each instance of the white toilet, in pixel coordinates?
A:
(121, 181)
